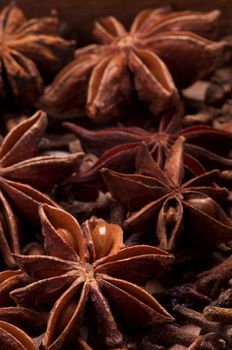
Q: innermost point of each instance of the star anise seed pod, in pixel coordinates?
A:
(105, 76)
(13, 338)
(89, 264)
(9, 280)
(23, 176)
(161, 197)
(27, 49)
(205, 147)
(29, 320)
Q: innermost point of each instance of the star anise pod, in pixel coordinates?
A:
(116, 147)
(9, 280)
(13, 338)
(163, 198)
(27, 49)
(143, 59)
(89, 265)
(29, 320)
(23, 176)
(211, 282)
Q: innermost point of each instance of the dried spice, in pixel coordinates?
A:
(89, 264)
(212, 281)
(185, 294)
(13, 338)
(206, 330)
(144, 59)
(162, 196)
(30, 321)
(205, 147)
(222, 331)
(218, 314)
(95, 287)
(186, 338)
(9, 280)
(28, 48)
(22, 178)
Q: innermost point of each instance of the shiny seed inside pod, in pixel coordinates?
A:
(68, 237)
(106, 238)
(206, 205)
(170, 216)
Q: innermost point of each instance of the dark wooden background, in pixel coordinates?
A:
(80, 14)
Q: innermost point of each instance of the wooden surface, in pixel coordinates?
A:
(80, 14)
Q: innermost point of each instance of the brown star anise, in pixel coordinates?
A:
(205, 147)
(23, 176)
(106, 76)
(89, 265)
(13, 338)
(27, 49)
(161, 197)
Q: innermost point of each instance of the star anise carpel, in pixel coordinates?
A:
(104, 78)
(163, 199)
(29, 320)
(29, 49)
(22, 178)
(9, 280)
(13, 338)
(89, 264)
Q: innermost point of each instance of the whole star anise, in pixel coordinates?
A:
(159, 45)
(205, 147)
(89, 265)
(162, 198)
(23, 176)
(27, 49)
(13, 338)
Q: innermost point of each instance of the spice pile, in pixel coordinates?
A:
(115, 185)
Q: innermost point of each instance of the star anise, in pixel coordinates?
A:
(27, 49)
(23, 176)
(160, 45)
(205, 147)
(13, 338)
(89, 265)
(163, 198)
